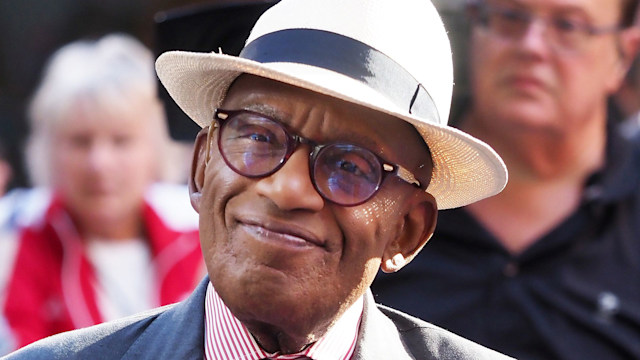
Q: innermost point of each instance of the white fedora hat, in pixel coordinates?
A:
(391, 56)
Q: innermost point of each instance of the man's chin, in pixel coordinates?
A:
(275, 300)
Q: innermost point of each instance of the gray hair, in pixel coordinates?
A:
(113, 71)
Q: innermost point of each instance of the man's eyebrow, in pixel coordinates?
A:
(374, 145)
(266, 110)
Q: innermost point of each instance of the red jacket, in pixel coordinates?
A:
(52, 286)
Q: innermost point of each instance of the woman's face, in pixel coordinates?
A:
(103, 159)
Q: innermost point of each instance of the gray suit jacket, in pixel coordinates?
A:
(177, 332)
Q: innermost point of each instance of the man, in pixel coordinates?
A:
(547, 269)
(324, 156)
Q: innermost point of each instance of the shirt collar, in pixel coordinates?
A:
(621, 173)
(227, 338)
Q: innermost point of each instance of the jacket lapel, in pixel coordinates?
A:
(378, 337)
(177, 333)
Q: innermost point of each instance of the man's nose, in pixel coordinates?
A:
(290, 187)
(536, 37)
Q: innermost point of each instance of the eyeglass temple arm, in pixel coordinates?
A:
(403, 174)
(214, 125)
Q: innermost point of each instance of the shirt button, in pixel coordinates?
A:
(608, 305)
(511, 269)
(592, 192)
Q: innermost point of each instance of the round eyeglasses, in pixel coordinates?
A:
(255, 145)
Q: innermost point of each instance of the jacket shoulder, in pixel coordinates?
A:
(174, 331)
(112, 338)
(421, 337)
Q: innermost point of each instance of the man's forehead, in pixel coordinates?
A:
(272, 97)
(248, 83)
(277, 99)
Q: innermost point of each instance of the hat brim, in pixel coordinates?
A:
(465, 169)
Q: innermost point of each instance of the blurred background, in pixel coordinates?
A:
(31, 30)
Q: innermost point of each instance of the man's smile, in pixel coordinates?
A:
(281, 234)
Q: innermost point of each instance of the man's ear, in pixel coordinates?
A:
(418, 225)
(198, 166)
(628, 44)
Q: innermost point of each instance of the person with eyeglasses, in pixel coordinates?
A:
(324, 156)
(548, 268)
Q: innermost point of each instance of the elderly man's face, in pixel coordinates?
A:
(283, 259)
(552, 74)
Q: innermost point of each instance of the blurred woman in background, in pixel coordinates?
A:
(110, 240)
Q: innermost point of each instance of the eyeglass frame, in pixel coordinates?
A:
(293, 142)
(589, 30)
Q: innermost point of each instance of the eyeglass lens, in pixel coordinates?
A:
(256, 146)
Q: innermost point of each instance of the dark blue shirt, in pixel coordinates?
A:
(574, 294)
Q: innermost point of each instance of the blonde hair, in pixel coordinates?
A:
(113, 71)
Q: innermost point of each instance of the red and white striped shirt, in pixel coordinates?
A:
(226, 338)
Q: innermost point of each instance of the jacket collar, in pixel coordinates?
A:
(177, 333)
(376, 338)
(621, 174)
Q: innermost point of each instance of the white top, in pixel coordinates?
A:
(125, 277)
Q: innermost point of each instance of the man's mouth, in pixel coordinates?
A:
(284, 234)
(525, 82)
